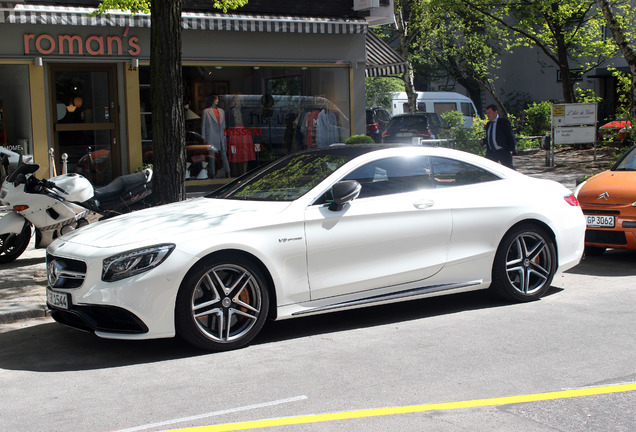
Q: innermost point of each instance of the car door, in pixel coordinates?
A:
(397, 231)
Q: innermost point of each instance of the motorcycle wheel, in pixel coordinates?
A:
(12, 245)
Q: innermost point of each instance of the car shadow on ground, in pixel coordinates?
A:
(51, 347)
(23, 262)
(382, 315)
(614, 262)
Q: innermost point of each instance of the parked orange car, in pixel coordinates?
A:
(608, 201)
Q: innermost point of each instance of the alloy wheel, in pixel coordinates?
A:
(226, 303)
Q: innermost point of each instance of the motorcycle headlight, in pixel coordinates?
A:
(134, 262)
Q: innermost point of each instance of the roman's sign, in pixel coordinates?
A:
(45, 44)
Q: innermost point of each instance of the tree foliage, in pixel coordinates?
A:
(568, 32)
(380, 89)
(622, 24)
(463, 46)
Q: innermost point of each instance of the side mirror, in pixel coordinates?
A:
(343, 192)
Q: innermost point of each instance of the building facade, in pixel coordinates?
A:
(79, 86)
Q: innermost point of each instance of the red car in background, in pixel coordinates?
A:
(617, 130)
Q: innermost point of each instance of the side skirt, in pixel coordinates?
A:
(411, 294)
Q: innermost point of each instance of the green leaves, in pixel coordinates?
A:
(143, 6)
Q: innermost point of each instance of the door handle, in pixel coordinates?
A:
(423, 204)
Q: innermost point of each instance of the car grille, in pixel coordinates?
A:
(64, 272)
(605, 237)
(601, 212)
(100, 318)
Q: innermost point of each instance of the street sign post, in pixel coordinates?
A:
(573, 124)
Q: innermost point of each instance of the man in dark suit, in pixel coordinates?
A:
(500, 138)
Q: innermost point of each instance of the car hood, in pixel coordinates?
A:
(609, 187)
(176, 222)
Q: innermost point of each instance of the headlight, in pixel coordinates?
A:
(134, 262)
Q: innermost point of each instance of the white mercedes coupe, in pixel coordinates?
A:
(322, 230)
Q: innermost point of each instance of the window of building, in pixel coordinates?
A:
(15, 109)
(264, 113)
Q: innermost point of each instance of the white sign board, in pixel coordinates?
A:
(573, 114)
(574, 135)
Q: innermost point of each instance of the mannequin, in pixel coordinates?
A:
(213, 131)
(241, 146)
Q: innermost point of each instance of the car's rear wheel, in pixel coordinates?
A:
(594, 250)
(12, 245)
(222, 304)
(525, 264)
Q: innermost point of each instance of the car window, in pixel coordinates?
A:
(627, 163)
(444, 107)
(383, 115)
(435, 121)
(450, 172)
(467, 109)
(408, 122)
(393, 175)
(289, 178)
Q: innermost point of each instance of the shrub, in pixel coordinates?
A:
(359, 139)
(461, 138)
(538, 119)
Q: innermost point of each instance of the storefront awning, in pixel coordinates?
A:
(78, 16)
(382, 60)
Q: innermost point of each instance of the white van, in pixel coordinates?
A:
(436, 102)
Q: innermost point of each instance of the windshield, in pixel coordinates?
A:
(24, 169)
(627, 162)
(289, 178)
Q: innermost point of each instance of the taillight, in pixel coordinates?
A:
(372, 127)
(20, 207)
(386, 134)
(425, 133)
(571, 199)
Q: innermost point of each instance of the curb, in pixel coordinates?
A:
(15, 313)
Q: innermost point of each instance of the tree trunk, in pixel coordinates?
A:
(168, 118)
(403, 27)
(626, 50)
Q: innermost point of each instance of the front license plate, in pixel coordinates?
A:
(56, 299)
(600, 221)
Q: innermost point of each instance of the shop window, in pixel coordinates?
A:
(265, 113)
(15, 109)
(85, 122)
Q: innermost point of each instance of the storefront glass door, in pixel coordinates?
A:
(85, 120)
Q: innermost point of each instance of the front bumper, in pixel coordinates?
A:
(138, 307)
(621, 236)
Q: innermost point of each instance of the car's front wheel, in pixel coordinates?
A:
(222, 304)
(524, 264)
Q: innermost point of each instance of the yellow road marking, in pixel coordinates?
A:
(376, 412)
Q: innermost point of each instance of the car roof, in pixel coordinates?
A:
(417, 114)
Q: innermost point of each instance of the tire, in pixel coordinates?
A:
(594, 250)
(524, 264)
(12, 245)
(222, 303)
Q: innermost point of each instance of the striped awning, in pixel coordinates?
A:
(78, 16)
(382, 60)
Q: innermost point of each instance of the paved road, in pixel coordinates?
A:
(450, 349)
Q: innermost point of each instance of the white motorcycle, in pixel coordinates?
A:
(60, 205)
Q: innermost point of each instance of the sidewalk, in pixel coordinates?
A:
(23, 282)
